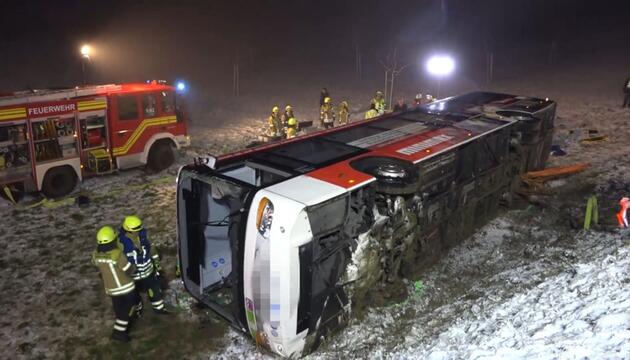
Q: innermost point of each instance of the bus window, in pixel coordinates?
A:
(127, 107)
(149, 105)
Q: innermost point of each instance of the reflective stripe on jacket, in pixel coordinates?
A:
(371, 113)
(139, 252)
(113, 265)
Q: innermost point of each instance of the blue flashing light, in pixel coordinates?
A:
(180, 86)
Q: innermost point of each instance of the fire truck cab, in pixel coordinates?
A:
(51, 139)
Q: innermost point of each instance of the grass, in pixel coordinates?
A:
(77, 217)
(25, 347)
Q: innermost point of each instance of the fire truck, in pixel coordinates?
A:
(283, 240)
(50, 139)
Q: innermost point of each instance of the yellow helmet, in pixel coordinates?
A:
(327, 100)
(132, 223)
(275, 110)
(105, 235)
(288, 108)
(344, 104)
(292, 122)
(379, 93)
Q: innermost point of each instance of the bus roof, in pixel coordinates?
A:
(410, 135)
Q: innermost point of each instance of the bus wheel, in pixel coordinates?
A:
(59, 181)
(161, 156)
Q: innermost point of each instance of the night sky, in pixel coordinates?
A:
(138, 40)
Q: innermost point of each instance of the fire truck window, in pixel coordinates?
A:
(167, 101)
(14, 153)
(149, 105)
(127, 107)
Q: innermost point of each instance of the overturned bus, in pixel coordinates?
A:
(281, 239)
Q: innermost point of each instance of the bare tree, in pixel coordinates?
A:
(392, 70)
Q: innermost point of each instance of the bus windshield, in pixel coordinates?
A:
(211, 217)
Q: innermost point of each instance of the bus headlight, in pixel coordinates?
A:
(264, 217)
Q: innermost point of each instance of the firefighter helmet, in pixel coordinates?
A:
(132, 223)
(275, 110)
(288, 108)
(327, 100)
(344, 104)
(105, 235)
(379, 93)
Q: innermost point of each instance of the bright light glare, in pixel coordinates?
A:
(181, 86)
(85, 50)
(440, 65)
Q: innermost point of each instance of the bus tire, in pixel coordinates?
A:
(59, 181)
(161, 156)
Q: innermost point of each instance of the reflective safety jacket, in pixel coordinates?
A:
(115, 269)
(139, 252)
(371, 113)
(622, 217)
(275, 125)
(379, 104)
(327, 113)
(343, 114)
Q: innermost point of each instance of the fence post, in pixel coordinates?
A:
(592, 213)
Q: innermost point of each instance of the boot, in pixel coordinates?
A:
(120, 336)
(162, 311)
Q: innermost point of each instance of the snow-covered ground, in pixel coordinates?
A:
(530, 284)
(509, 292)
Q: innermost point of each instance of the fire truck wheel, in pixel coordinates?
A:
(59, 181)
(161, 156)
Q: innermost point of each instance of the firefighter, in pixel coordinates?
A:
(275, 126)
(379, 102)
(400, 105)
(144, 256)
(327, 114)
(284, 118)
(417, 100)
(292, 127)
(626, 93)
(344, 113)
(116, 273)
(372, 112)
(622, 215)
(322, 96)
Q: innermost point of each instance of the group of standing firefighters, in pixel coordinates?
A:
(286, 126)
(128, 264)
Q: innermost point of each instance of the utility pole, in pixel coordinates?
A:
(358, 62)
(489, 67)
(85, 57)
(236, 77)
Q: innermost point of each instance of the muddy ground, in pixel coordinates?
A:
(54, 305)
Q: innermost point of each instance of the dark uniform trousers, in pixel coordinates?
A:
(150, 285)
(123, 305)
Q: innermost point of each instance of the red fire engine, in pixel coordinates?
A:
(50, 139)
